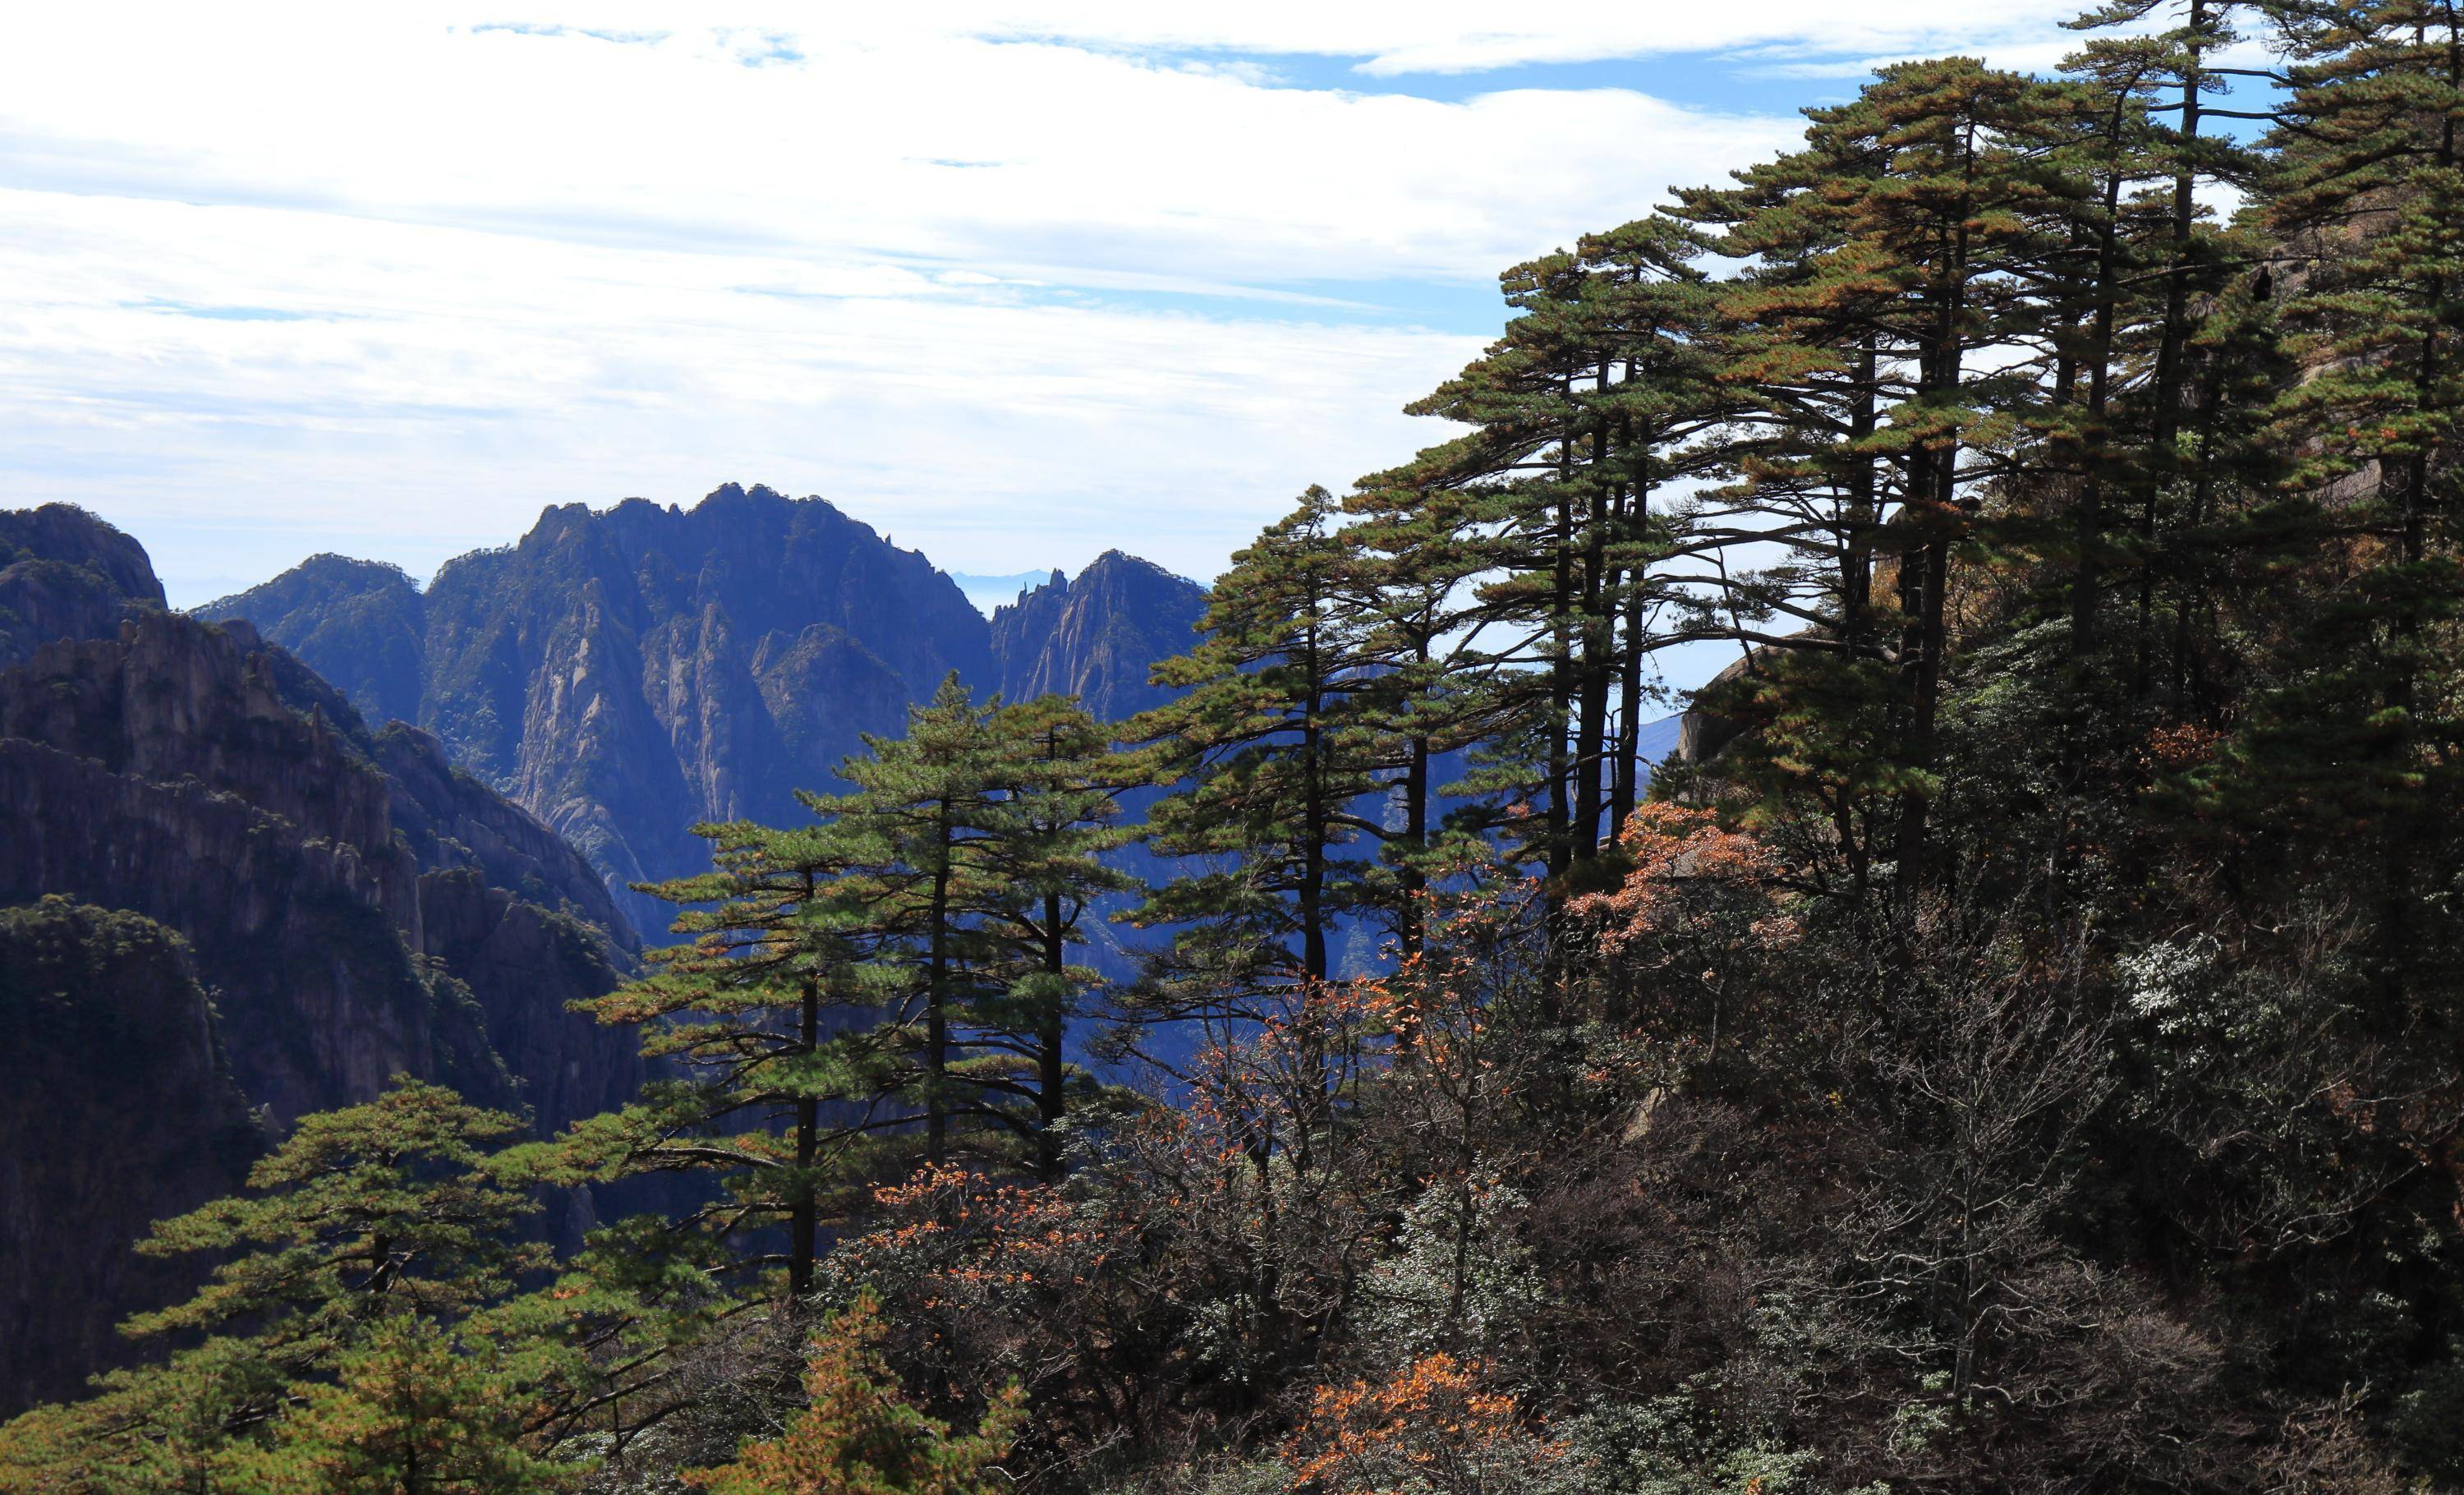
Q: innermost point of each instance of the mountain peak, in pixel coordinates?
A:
(65, 573)
(1096, 636)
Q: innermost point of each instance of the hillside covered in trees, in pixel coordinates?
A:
(2014, 1049)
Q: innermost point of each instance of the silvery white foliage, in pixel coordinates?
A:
(1672, 1445)
(2167, 982)
(1459, 1280)
(2192, 1001)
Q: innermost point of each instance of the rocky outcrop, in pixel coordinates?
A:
(452, 821)
(118, 1110)
(361, 624)
(523, 964)
(160, 772)
(1097, 636)
(65, 574)
(825, 689)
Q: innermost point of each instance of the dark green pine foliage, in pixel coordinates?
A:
(1907, 242)
(914, 835)
(392, 1206)
(2366, 196)
(1539, 529)
(367, 1227)
(1416, 552)
(2161, 447)
(785, 1038)
(1044, 878)
(1272, 755)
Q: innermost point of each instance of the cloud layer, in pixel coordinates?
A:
(1014, 284)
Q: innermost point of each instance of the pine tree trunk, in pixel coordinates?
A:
(2087, 580)
(803, 1229)
(2168, 381)
(1938, 514)
(936, 1015)
(1050, 1029)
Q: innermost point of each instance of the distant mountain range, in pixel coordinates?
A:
(256, 859)
(624, 673)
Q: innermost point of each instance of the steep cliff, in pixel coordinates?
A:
(1097, 635)
(152, 1126)
(358, 907)
(161, 772)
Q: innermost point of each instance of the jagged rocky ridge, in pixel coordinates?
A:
(624, 673)
(1096, 637)
(356, 907)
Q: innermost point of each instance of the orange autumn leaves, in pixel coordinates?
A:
(1428, 1428)
(860, 1435)
(1692, 880)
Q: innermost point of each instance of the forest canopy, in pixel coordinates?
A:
(2012, 1046)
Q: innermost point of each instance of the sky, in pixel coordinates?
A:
(1015, 283)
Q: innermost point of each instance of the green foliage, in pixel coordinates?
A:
(394, 1206)
(409, 1412)
(860, 1435)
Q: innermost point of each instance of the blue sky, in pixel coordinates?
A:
(1014, 282)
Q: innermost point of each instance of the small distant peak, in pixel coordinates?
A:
(1120, 560)
(329, 564)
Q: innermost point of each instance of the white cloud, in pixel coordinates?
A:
(388, 278)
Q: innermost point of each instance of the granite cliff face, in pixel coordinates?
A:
(624, 673)
(154, 1127)
(356, 906)
(1097, 636)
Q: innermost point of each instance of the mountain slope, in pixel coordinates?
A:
(356, 907)
(1098, 636)
(156, 1130)
(65, 575)
(359, 624)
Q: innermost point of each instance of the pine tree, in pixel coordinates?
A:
(391, 1207)
(1269, 752)
(914, 834)
(365, 1233)
(1582, 413)
(2368, 193)
(1906, 244)
(776, 1009)
(1059, 814)
(1414, 555)
(409, 1412)
(2175, 62)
